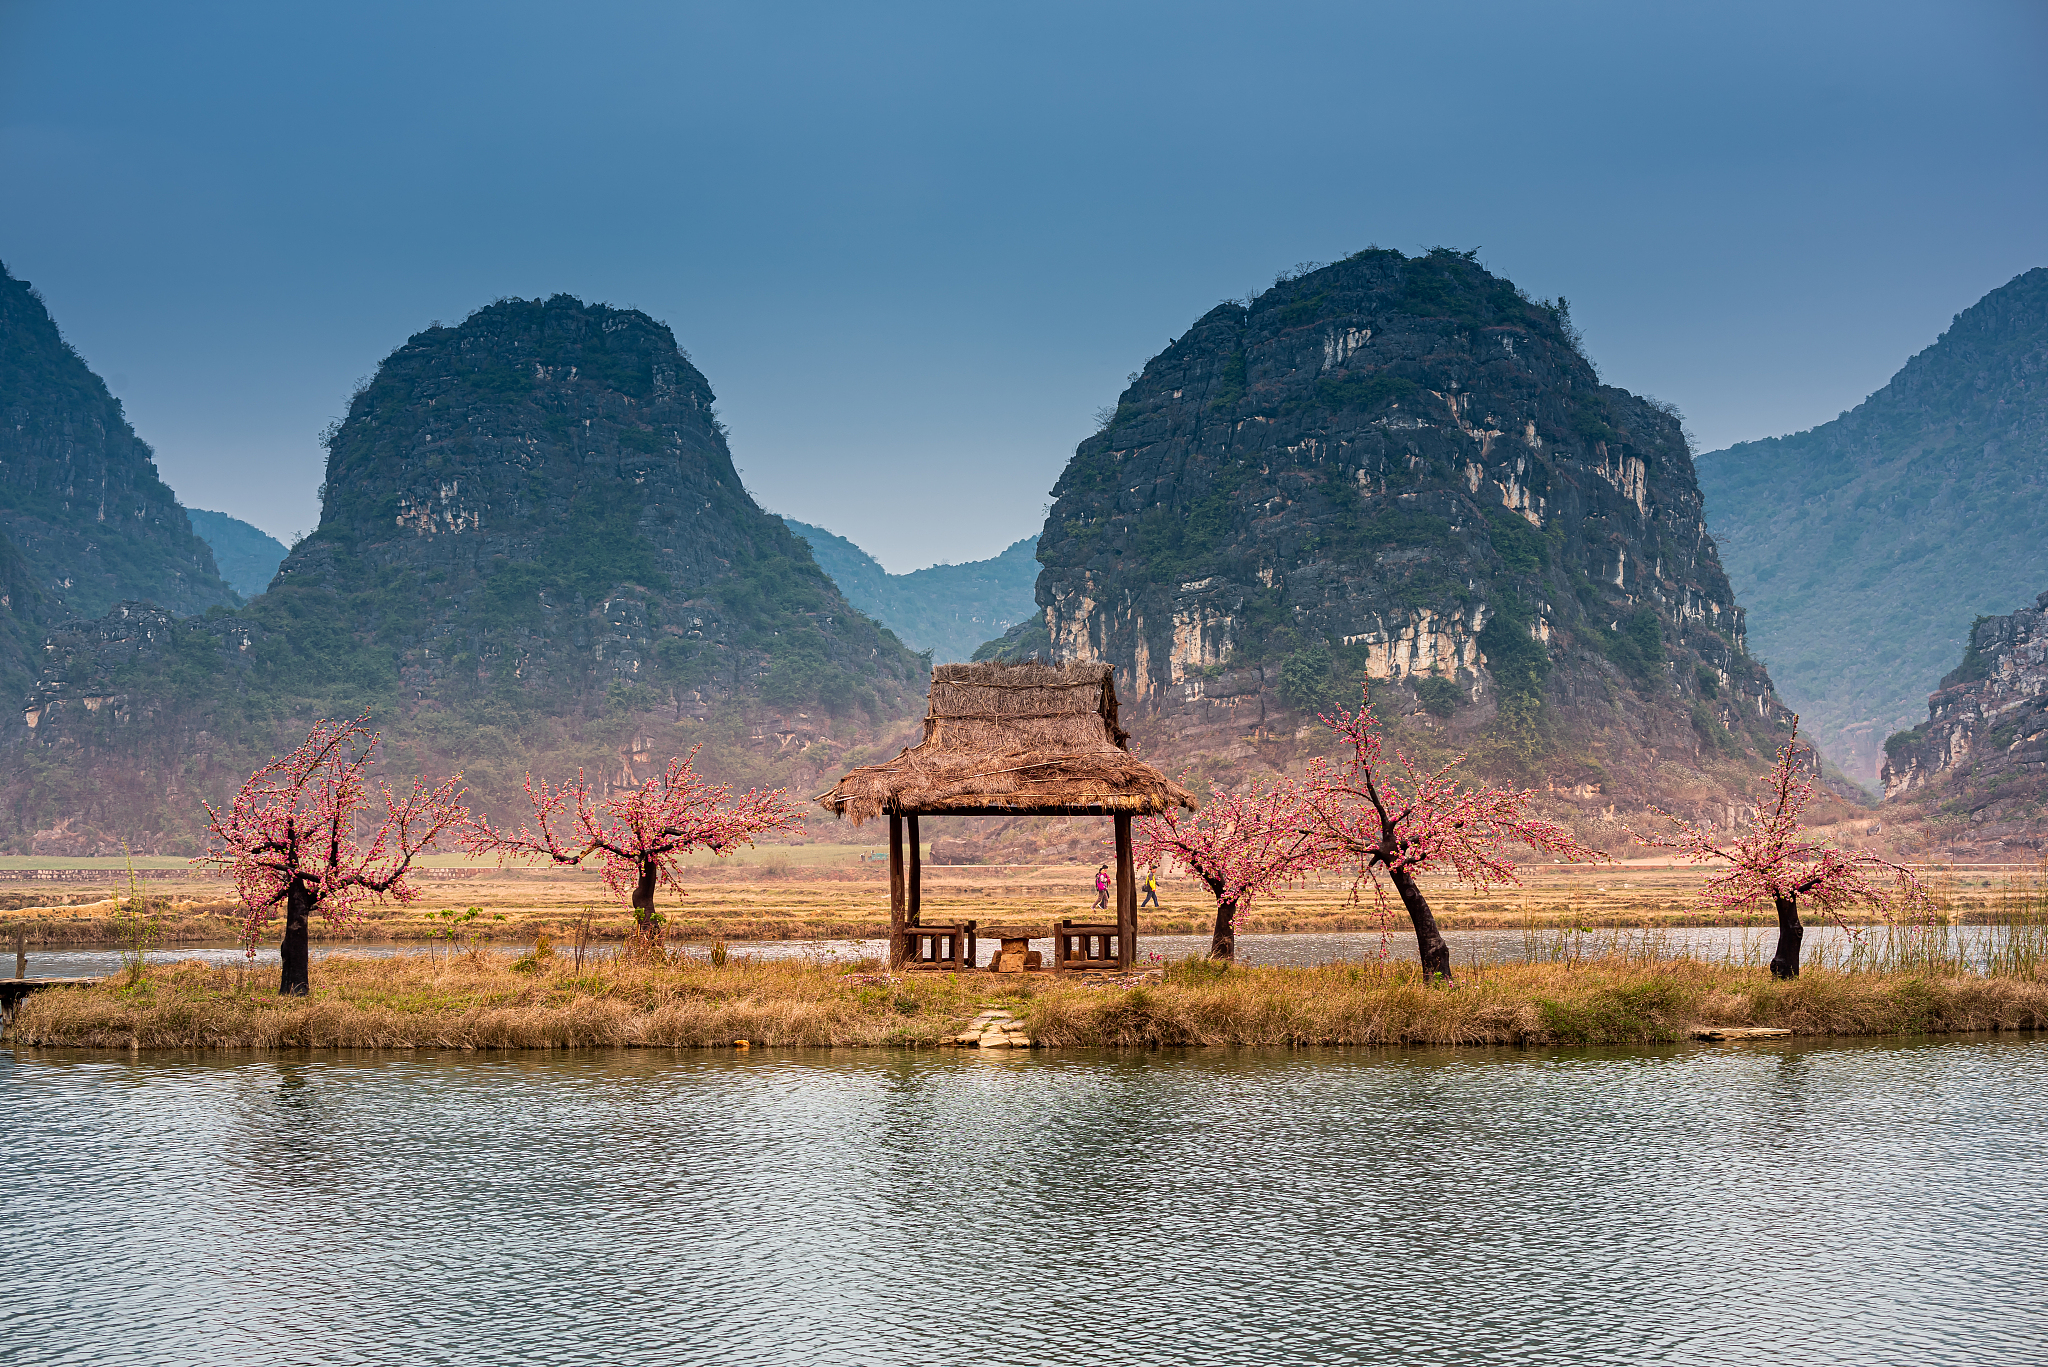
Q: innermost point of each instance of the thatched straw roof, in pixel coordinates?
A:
(1013, 740)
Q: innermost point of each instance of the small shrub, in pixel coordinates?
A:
(1621, 1015)
(1711, 731)
(1196, 969)
(1440, 697)
(1521, 548)
(1518, 661)
(1637, 646)
(1898, 742)
(1363, 392)
(540, 956)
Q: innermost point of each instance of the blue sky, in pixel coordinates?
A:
(915, 247)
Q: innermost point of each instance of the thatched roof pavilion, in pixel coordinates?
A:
(1011, 740)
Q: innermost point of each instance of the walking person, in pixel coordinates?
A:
(1101, 887)
(1151, 887)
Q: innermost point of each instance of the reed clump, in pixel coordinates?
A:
(1599, 1001)
(555, 1001)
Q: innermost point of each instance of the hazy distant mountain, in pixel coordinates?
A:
(1865, 547)
(946, 609)
(248, 556)
(79, 493)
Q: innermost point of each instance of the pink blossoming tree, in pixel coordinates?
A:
(1388, 818)
(1240, 845)
(1775, 862)
(640, 833)
(290, 838)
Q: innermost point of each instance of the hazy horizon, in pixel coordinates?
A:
(914, 250)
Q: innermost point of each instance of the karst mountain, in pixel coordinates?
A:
(85, 522)
(1404, 470)
(533, 551)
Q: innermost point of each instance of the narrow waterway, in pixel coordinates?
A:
(1747, 945)
(1873, 1203)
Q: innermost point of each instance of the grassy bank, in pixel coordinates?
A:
(484, 1002)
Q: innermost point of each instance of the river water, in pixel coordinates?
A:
(1873, 1203)
(1751, 945)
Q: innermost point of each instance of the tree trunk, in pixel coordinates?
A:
(1786, 963)
(1223, 943)
(643, 903)
(295, 954)
(1429, 941)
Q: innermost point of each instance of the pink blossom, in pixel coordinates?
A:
(640, 833)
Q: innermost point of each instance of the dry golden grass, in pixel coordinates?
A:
(483, 1002)
(480, 1001)
(769, 894)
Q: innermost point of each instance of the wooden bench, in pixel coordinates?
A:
(1075, 945)
(947, 946)
(1016, 954)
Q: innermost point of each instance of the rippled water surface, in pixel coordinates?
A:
(1874, 1203)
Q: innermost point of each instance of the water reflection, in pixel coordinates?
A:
(1685, 1204)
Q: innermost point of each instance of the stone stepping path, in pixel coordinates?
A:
(994, 1029)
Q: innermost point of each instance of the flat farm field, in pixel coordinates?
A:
(842, 892)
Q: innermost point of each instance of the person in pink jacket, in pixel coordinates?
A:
(1101, 887)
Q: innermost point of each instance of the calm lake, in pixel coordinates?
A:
(1876, 1203)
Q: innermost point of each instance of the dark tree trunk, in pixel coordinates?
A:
(643, 902)
(295, 953)
(1429, 941)
(1786, 963)
(1223, 943)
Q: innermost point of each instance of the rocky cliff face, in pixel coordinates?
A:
(79, 493)
(1403, 470)
(1974, 774)
(533, 551)
(1865, 547)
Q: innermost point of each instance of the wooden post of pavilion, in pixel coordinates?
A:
(897, 948)
(914, 901)
(1126, 896)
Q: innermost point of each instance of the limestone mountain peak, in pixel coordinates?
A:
(533, 550)
(1404, 470)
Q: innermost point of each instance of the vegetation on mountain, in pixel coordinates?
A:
(947, 611)
(1865, 547)
(80, 498)
(1027, 640)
